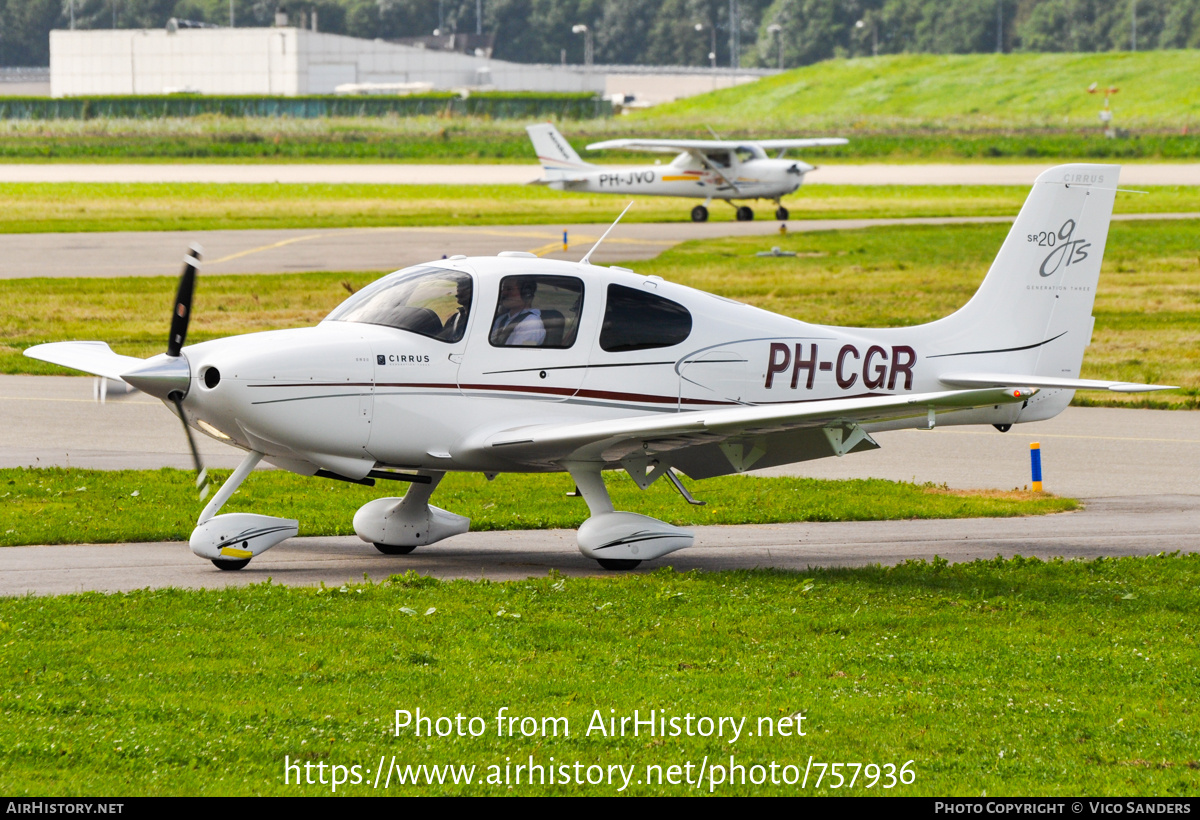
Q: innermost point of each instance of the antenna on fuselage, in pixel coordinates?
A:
(587, 256)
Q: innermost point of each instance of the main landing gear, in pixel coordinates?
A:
(744, 214)
(781, 213)
(699, 214)
(619, 541)
(397, 526)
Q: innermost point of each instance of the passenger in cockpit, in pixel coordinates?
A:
(518, 323)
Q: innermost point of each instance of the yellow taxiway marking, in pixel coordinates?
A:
(272, 246)
(540, 251)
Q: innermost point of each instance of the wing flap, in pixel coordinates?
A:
(96, 358)
(977, 380)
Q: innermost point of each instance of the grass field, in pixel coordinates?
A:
(1147, 307)
(60, 506)
(1004, 678)
(899, 108)
(922, 93)
(71, 207)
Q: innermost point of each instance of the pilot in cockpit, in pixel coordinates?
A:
(517, 323)
(456, 323)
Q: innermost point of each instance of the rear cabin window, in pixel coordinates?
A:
(636, 320)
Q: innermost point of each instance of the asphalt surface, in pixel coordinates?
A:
(1086, 452)
(160, 253)
(1108, 527)
(838, 173)
(1136, 469)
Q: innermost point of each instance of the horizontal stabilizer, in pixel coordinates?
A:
(1048, 382)
(559, 180)
(96, 358)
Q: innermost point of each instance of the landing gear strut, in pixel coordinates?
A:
(231, 540)
(620, 541)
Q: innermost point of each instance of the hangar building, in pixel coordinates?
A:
(283, 61)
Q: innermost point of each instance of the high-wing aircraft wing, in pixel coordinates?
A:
(613, 440)
(672, 146)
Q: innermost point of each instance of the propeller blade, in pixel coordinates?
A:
(183, 301)
(201, 472)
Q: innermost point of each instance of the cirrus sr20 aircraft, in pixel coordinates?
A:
(520, 364)
(705, 169)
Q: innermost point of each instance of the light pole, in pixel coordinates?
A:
(712, 48)
(860, 25)
(777, 30)
(587, 43)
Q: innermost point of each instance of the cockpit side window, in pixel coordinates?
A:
(537, 311)
(720, 159)
(433, 302)
(636, 320)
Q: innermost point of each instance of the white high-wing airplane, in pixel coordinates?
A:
(706, 169)
(521, 364)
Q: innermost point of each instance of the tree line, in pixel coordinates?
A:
(757, 33)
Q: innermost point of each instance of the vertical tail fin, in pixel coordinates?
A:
(554, 152)
(1033, 312)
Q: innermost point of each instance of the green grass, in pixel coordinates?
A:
(1147, 305)
(72, 207)
(898, 108)
(926, 93)
(61, 506)
(1004, 678)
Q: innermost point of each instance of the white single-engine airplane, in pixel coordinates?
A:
(521, 364)
(706, 169)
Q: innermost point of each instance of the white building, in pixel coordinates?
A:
(276, 62)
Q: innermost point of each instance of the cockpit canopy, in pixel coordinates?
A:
(719, 158)
(430, 301)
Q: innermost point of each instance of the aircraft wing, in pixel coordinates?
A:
(729, 435)
(96, 358)
(674, 146)
(1049, 382)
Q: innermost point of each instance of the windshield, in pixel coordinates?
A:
(432, 302)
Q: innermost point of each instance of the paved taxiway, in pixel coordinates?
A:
(1136, 469)
(1107, 527)
(159, 253)
(839, 173)
(1086, 452)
